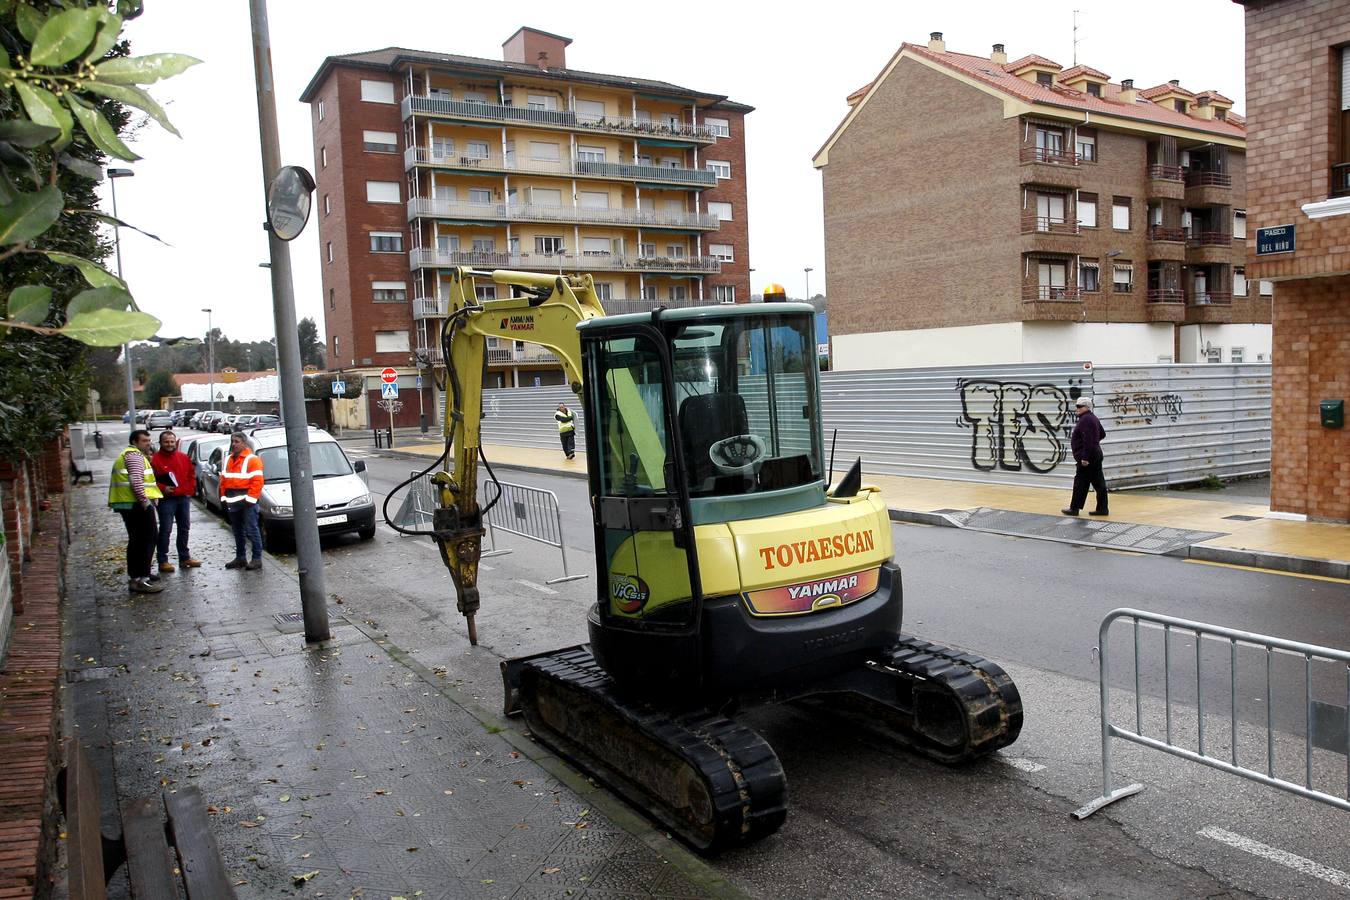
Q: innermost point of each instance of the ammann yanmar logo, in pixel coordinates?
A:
(629, 592)
(517, 323)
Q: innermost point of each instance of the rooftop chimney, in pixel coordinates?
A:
(532, 47)
(998, 57)
(1175, 82)
(1202, 108)
(936, 43)
(1127, 92)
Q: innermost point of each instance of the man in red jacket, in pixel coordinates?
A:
(177, 479)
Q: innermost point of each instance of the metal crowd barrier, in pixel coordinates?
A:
(1315, 712)
(525, 511)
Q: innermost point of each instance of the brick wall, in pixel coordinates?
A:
(737, 231)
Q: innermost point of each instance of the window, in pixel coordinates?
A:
(721, 210)
(1094, 89)
(447, 243)
(724, 293)
(595, 246)
(722, 169)
(1123, 281)
(329, 251)
(541, 101)
(1221, 114)
(1087, 210)
(444, 192)
(439, 93)
(379, 141)
(1087, 146)
(1051, 280)
(480, 197)
(1239, 282)
(1213, 354)
(442, 147)
(543, 150)
(484, 245)
(327, 205)
(1179, 105)
(670, 162)
(335, 347)
(649, 292)
(382, 191)
(1236, 354)
(1089, 276)
(323, 157)
(1239, 224)
(482, 292)
(719, 127)
(475, 97)
(478, 150)
(724, 252)
(1049, 211)
(677, 292)
(549, 245)
(589, 111)
(391, 341)
(675, 251)
(604, 291)
(320, 109)
(377, 91)
(1120, 213)
(1266, 288)
(389, 291)
(593, 199)
(332, 299)
(1045, 78)
(546, 197)
(590, 154)
(647, 249)
(386, 242)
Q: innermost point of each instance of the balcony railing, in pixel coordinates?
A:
(556, 118)
(1208, 239)
(530, 353)
(1165, 173)
(1340, 180)
(430, 307)
(1164, 233)
(583, 167)
(1166, 295)
(624, 307)
(1211, 298)
(582, 215)
(1070, 294)
(1049, 156)
(1034, 224)
(1214, 179)
(564, 262)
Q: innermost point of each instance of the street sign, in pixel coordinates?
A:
(1279, 239)
(419, 381)
(339, 388)
(389, 376)
(389, 391)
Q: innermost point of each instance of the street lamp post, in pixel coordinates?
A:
(210, 359)
(809, 270)
(113, 175)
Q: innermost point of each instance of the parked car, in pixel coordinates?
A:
(224, 424)
(341, 494)
(140, 416)
(202, 420)
(159, 418)
(198, 449)
(182, 417)
(266, 420)
(243, 422)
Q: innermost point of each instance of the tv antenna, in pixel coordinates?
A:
(1075, 37)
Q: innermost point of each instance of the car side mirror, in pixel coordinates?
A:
(359, 465)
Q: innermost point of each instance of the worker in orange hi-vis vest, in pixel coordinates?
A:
(241, 485)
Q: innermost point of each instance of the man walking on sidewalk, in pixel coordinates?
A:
(132, 492)
(241, 485)
(177, 480)
(567, 429)
(1086, 442)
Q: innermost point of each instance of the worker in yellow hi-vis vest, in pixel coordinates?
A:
(567, 429)
(132, 491)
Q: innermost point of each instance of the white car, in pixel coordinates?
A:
(341, 495)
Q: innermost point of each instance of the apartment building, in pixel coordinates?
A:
(427, 160)
(1298, 102)
(980, 210)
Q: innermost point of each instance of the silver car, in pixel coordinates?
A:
(199, 451)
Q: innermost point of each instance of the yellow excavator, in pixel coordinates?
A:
(730, 572)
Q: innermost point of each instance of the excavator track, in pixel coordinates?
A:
(712, 782)
(949, 706)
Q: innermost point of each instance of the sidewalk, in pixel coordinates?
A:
(338, 770)
(1246, 537)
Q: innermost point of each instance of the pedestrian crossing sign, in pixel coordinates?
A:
(389, 391)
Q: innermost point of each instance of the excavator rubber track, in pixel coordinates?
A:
(945, 704)
(712, 782)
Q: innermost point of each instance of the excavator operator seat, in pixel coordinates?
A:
(706, 419)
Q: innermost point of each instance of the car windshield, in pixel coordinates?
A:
(326, 459)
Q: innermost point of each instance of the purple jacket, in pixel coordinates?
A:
(1086, 439)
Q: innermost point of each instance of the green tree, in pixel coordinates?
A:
(311, 347)
(157, 387)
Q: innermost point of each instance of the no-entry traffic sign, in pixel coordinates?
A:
(389, 376)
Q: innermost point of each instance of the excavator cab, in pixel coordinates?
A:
(694, 417)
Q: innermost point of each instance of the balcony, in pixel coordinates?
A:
(1208, 247)
(425, 207)
(1165, 305)
(1209, 188)
(565, 262)
(1166, 183)
(1166, 243)
(422, 156)
(511, 356)
(1041, 165)
(430, 308)
(1055, 304)
(563, 119)
(1209, 308)
(1049, 234)
(627, 307)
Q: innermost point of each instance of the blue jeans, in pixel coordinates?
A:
(244, 523)
(173, 510)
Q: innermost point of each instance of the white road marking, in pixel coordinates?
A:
(537, 587)
(1274, 854)
(1025, 765)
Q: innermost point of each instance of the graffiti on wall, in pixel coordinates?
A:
(1016, 425)
(1145, 407)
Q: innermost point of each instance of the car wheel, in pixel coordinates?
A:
(366, 534)
(272, 542)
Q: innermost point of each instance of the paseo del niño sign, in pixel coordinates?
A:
(1279, 239)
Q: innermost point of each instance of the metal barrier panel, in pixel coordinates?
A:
(1324, 724)
(418, 503)
(528, 512)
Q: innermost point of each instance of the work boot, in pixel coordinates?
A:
(237, 563)
(1069, 511)
(167, 566)
(254, 565)
(190, 563)
(1099, 512)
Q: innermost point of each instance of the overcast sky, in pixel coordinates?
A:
(204, 193)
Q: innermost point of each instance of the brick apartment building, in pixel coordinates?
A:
(1298, 102)
(985, 211)
(427, 160)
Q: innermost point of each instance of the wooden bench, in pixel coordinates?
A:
(76, 473)
(144, 842)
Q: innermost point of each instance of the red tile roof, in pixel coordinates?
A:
(1214, 95)
(1031, 59)
(1068, 74)
(1160, 90)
